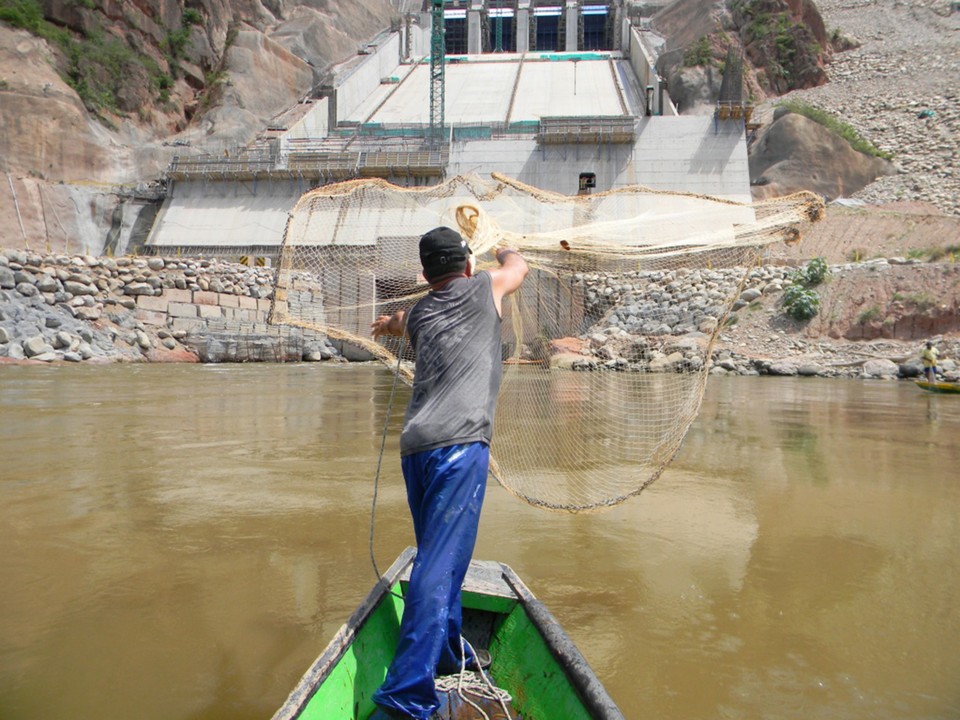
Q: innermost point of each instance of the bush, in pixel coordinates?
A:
(699, 53)
(192, 17)
(812, 275)
(25, 14)
(801, 303)
(98, 64)
(816, 271)
(869, 315)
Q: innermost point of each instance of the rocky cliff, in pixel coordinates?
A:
(96, 97)
(884, 71)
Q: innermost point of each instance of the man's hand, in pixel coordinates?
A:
(381, 326)
(388, 325)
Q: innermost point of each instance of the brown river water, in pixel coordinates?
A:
(178, 542)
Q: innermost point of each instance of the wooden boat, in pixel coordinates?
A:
(532, 657)
(940, 386)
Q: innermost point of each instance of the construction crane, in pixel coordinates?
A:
(437, 58)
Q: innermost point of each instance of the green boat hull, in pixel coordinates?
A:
(533, 659)
(946, 388)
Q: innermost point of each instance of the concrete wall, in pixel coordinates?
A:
(223, 327)
(420, 37)
(643, 63)
(690, 154)
(189, 310)
(315, 124)
(236, 214)
(354, 88)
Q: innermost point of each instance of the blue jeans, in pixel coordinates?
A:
(445, 489)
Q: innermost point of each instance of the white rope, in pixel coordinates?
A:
(376, 477)
(473, 683)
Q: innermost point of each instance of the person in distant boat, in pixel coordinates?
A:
(929, 357)
(445, 455)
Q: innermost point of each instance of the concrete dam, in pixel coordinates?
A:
(563, 97)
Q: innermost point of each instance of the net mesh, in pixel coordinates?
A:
(606, 345)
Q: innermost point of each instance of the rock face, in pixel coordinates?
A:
(888, 69)
(916, 117)
(785, 42)
(795, 152)
(209, 76)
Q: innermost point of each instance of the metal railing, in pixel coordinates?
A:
(586, 130)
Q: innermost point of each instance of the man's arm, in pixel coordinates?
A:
(509, 276)
(394, 324)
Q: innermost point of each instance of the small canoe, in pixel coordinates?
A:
(532, 658)
(950, 388)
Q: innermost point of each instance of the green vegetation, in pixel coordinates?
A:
(98, 65)
(28, 15)
(836, 126)
(813, 274)
(800, 301)
(213, 87)
(700, 53)
(162, 82)
(921, 301)
(869, 315)
(192, 17)
(856, 255)
(788, 47)
(950, 253)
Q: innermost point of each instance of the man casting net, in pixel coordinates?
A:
(606, 346)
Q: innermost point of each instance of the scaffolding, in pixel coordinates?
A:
(324, 161)
(586, 130)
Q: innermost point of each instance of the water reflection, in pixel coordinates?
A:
(180, 542)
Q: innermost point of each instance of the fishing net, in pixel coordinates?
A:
(606, 345)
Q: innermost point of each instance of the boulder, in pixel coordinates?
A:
(795, 153)
(882, 369)
(783, 368)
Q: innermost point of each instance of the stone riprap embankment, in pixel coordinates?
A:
(660, 322)
(900, 89)
(674, 302)
(76, 308)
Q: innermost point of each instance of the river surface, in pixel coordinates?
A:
(178, 542)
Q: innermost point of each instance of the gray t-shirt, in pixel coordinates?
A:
(455, 332)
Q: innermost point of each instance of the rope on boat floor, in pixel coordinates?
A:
(478, 684)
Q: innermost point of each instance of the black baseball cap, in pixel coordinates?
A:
(442, 251)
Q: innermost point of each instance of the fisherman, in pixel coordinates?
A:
(929, 357)
(445, 456)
